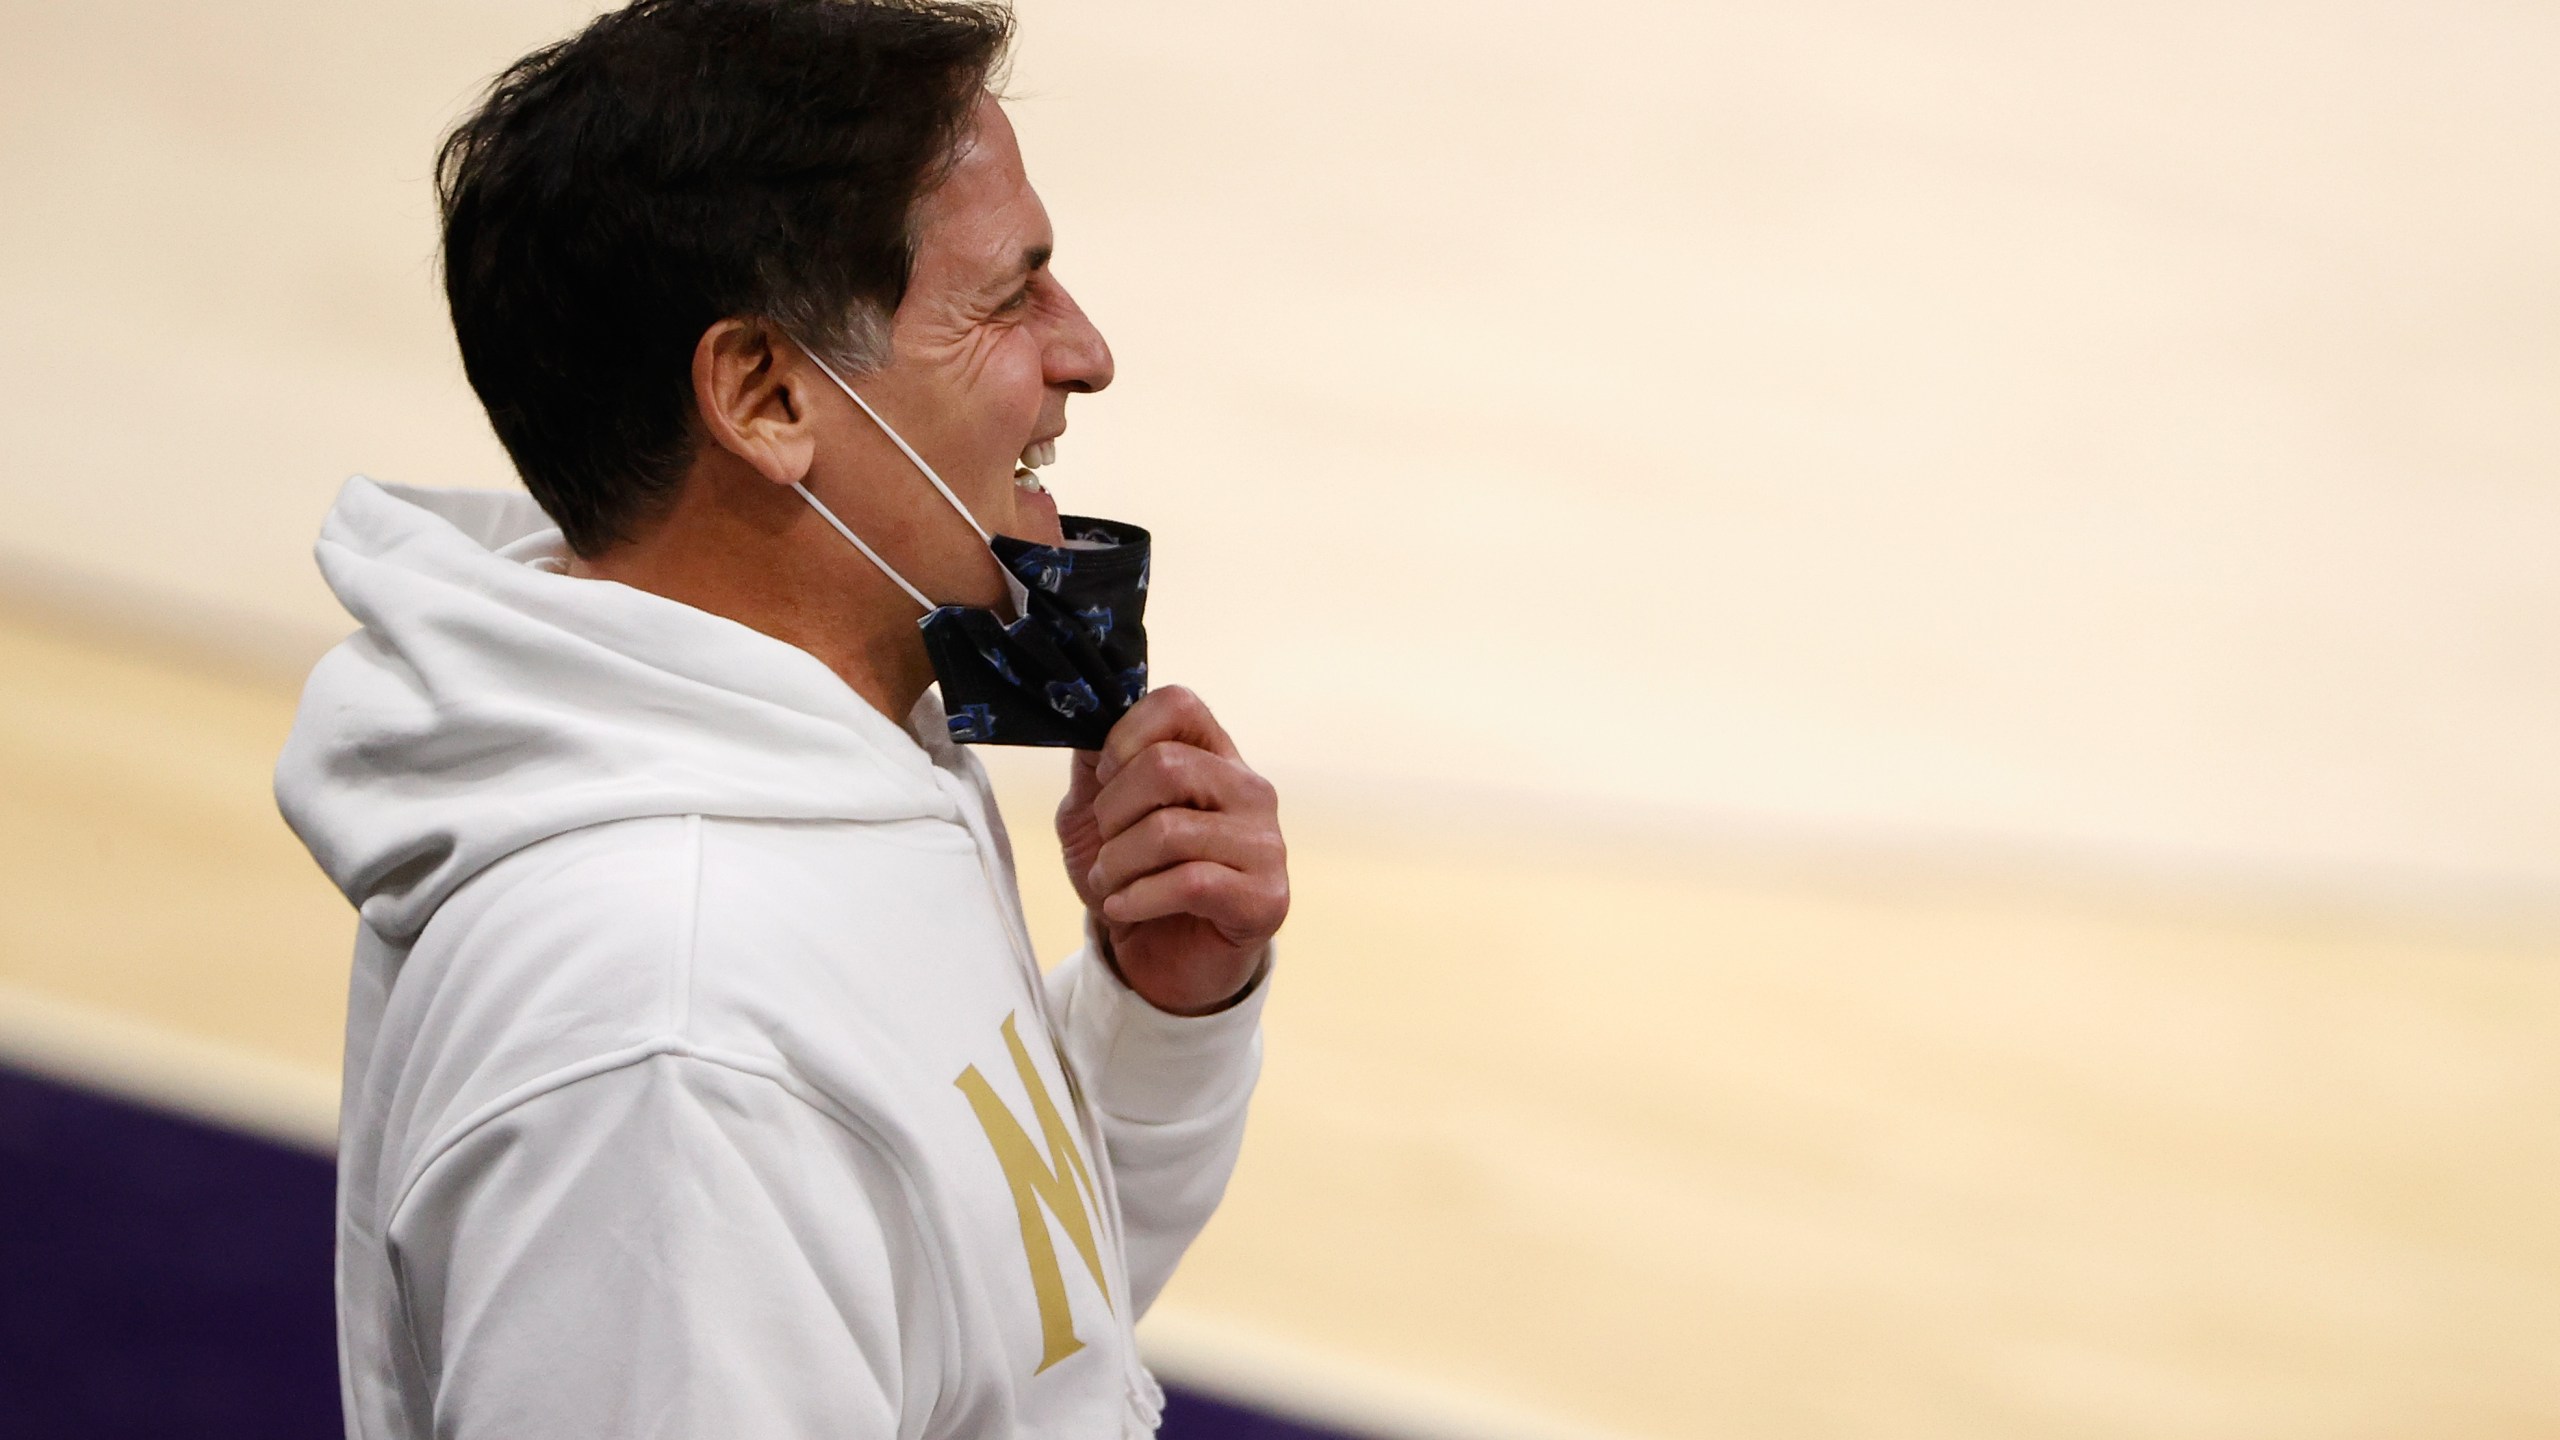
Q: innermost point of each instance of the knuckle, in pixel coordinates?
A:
(1177, 763)
(1170, 829)
(1272, 851)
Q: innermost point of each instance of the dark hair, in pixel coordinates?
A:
(676, 163)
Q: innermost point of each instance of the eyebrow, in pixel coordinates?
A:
(1033, 258)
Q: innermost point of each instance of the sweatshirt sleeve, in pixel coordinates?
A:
(1170, 1092)
(671, 1248)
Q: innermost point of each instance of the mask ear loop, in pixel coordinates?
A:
(1013, 584)
(867, 552)
(898, 440)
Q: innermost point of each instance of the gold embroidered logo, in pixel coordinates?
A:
(1058, 1182)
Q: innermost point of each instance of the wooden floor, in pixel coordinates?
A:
(1562, 1140)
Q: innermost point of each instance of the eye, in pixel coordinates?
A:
(1015, 301)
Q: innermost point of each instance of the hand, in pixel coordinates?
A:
(1174, 846)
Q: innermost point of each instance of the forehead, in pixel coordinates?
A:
(984, 214)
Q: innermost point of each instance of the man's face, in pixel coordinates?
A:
(985, 349)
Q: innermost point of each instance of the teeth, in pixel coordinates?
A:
(1038, 455)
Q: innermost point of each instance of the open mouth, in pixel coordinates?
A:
(1033, 504)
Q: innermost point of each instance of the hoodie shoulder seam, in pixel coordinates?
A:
(497, 1107)
(522, 1094)
(919, 1213)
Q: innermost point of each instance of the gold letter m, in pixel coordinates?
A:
(1037, 1182)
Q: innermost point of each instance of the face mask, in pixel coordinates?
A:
(1074, 657)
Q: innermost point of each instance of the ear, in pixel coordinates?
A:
(746, 386)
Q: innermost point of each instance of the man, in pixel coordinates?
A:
(700, 1079)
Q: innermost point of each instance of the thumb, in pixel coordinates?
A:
(1083, 783)
(1079, 838)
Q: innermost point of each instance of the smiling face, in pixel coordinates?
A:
(984, 351)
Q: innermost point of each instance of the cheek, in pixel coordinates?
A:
(1014, 377)
(1006, 394)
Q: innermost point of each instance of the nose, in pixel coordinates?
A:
(1076, 358)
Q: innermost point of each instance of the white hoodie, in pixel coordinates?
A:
(700, 1079)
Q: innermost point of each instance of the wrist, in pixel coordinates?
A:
(1185, 1006)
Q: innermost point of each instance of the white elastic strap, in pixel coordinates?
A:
(903, 448)
(868, 553)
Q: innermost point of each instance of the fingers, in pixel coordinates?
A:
(1244, 908)
(1172, 713)
(1173, 836)
(1172, 773)
(1185, 827)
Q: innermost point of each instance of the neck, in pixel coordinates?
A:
(755, 553)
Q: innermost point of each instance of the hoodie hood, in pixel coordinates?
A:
(491, 701)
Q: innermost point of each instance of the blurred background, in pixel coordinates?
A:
(1914, 653)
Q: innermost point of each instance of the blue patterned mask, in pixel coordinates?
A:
(1074, 657)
